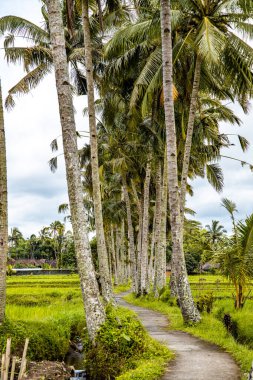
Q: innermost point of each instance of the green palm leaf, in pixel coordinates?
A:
(27, 83)
(23, 28)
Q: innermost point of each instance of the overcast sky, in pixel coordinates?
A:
(35, 193)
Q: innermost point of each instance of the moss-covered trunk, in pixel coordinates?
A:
(94, 311)
(145, 230)
(130, 235)
(103, 261)
(158, 238)
(3, 212)
(188, 309)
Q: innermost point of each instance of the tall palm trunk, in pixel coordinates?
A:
(139, 245)
(118, 257)
(101, 245)
(152, 247)
(139, 204)
(162, 280)
(114, 261)
(123, 252)
(158, 241)
(145, 227)
(188, 309)
(130, 235)
(3, 212)
(190, 127)
(94, 311)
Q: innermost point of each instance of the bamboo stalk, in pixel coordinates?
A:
(23, 368)
(7, 359)
(2, 367)
(23, 362)
(14, 359)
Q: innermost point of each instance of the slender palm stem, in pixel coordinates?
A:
(94, 310)
(3, 212)
(190, 126)
(102, 250)
(189, 311)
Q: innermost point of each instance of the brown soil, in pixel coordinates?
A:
(46, 370)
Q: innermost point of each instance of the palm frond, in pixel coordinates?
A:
(29, 82)
(243, 142)
(53, 164)
(63, 208)
(215, 176)
(146, 76)
(229, 205)
(210, 41)
(54, 145)
(21, 27)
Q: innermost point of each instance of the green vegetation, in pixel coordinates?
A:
(123, 340)
(52, 246)
(122, 288)
(48, 310)
(218, 285)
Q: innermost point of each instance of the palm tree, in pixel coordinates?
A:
(189, 311)
(15, 236)
(236, 261)
(3, 213)
(101, 245)
(202, 36)
(215, 232)
(57, 230)
(231, 208)
(94, 310)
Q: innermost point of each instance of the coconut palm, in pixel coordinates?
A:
(57, 231)
(189, 311)
(101, 245)
(203, 37)
(15, 236)
(94, 310)
(207, 140)
(40, 56)
(230, 206)
(3, 213)
(215, 231)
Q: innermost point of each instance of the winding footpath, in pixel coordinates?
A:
(195, 359)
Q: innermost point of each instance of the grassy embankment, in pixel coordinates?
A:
(211, 327)
(49, 310)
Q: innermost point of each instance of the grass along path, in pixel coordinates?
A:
(195, 358)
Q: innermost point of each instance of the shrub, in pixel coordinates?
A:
(205, 303)
(17, 332)
(120, 340)
(10, 271)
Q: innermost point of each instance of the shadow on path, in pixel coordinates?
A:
(195, 358)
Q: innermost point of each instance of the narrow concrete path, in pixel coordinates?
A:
(195, 359)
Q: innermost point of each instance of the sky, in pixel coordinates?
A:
(35, 192)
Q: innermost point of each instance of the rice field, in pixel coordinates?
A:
(48, 310)
(215, 284)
